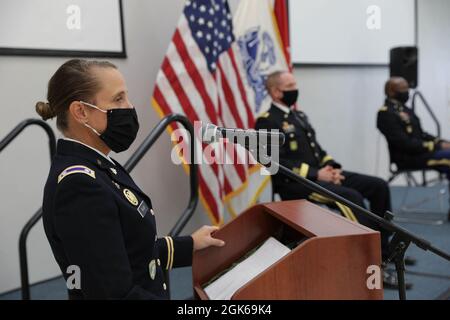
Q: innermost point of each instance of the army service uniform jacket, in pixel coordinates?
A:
(100, 223)
(409, 146)
(301, 152)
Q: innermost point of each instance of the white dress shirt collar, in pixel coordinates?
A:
(282, 107)
(100, 153)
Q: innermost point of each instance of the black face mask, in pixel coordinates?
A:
(290, 97)
(121, 128)
(402, 97)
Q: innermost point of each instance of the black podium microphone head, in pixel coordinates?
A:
(211, 133)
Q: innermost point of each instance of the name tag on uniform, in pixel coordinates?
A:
(143, 209)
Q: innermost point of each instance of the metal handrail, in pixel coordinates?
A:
(35, 218)
(28, 122)
(23, 258)
(129, 166)
(417, 93)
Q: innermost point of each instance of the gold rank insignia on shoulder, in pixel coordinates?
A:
(265, 115)
(130, 197)
(76, 169)
(383, 108)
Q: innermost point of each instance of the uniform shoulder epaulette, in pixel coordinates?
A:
(265, 115)
(383, 108)
(76, 169)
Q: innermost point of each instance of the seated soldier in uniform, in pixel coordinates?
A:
(303, 154)
(409, 146)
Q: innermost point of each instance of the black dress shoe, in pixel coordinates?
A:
(390, 280)
(448, 216)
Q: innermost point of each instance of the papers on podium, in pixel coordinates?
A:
(227, 284)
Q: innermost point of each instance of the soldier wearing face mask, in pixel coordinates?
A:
(303, 154)
(96, 218)
(410, 147)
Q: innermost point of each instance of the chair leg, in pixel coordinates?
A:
(414, 181)
(424, 178)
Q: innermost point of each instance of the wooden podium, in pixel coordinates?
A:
(330, 261)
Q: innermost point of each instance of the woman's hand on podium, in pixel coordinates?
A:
(203, 238)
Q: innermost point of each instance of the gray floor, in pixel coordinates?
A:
(430, 277)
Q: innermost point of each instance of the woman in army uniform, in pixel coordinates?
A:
(97, 220)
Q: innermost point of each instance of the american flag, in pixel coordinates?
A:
(202, 77)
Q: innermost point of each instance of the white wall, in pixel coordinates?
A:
(342, 103)
(349, 29)
(434, 69)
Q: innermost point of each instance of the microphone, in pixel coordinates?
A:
(212, 133)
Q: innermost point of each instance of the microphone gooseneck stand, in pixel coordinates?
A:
(401, 239)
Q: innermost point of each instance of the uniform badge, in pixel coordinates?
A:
(293, 145)
(152, 269)
(409, 129)
(288, 128)
(113, 170)
(142, 209)
(404, 116)
(130, 197)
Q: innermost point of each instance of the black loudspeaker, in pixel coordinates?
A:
(404, 63)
